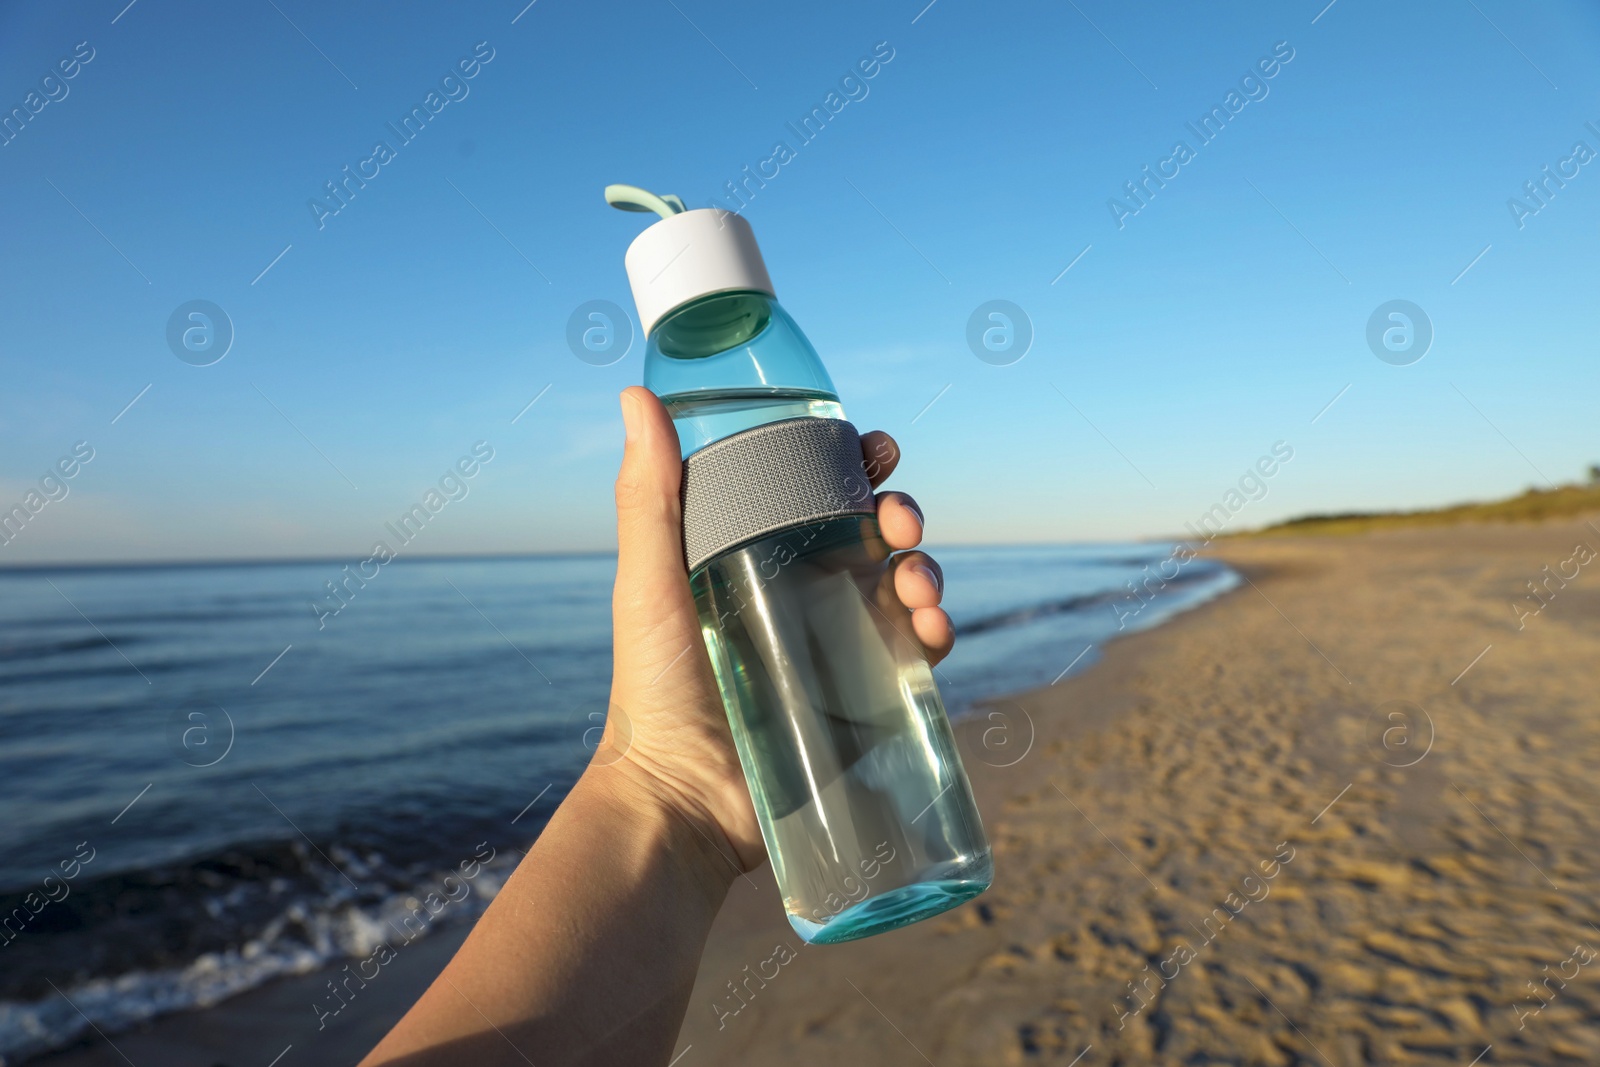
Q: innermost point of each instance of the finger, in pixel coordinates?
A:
(880, 455)
(900, 520)
(918, 581)
(934, 629)
(652, 587)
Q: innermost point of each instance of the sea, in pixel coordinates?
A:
(206, 785)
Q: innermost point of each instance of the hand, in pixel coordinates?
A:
(667, 719)
(589, 951)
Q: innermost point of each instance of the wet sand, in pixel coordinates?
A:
(1344, 815)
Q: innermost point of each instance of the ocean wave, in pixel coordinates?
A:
(113, 667)
(41, 649)
(154, 942)
(1195, 574)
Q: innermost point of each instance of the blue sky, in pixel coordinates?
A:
(178, 163)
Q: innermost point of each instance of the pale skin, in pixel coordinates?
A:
(589, 952)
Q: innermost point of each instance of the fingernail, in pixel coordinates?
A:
(928, 573)
(630, 416)
(911, 505)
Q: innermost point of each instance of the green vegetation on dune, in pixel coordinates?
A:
(1535, 505)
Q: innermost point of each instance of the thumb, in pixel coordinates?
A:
(651, 602)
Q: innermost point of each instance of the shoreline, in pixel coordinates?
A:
(207, 1037)
(1374, 889)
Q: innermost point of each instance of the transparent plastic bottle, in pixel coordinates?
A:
(867, 813)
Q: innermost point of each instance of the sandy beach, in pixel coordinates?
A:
(1343, 815)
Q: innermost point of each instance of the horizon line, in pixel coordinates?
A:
(467, 557)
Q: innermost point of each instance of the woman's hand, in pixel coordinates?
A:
(588, 954)
(667, 733)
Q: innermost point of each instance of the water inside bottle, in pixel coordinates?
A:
(712, 414)
(867, 815)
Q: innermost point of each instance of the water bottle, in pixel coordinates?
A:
(866, 811)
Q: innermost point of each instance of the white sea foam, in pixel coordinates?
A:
(302, 939)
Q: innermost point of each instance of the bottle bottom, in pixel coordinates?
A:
(900, 907)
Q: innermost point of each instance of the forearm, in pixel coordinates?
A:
(589, 953)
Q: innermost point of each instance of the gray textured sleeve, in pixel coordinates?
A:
(770, 478)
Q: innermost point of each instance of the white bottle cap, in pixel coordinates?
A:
(689, 255)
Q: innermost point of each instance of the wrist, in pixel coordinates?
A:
(680, 825)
